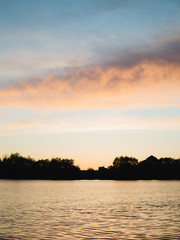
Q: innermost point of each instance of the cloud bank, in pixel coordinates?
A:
(138, 78)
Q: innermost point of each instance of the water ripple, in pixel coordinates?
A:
(89, 210)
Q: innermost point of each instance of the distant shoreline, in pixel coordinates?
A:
(17, 167)
(84, 179)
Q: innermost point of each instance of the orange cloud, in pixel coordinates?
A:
(145, 84)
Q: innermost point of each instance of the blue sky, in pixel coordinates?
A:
(104, 70)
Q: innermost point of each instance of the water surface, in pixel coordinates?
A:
(89, 209)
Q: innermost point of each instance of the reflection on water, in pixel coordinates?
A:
(89, 209)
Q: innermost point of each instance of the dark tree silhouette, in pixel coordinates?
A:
(16, 166)
(124, 161)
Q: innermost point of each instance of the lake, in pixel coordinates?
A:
(89, 209)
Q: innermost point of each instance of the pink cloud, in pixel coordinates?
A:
(147, 83)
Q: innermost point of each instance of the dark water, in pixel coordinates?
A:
(89, 210)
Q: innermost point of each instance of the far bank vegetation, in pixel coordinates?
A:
(16, 166)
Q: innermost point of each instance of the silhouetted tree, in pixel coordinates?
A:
(166, 161)
(18, 167)
(122, 161)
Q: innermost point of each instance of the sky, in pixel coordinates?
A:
(90, 80)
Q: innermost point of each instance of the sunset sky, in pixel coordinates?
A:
(90, 79)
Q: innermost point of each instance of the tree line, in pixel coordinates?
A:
(16, 166)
